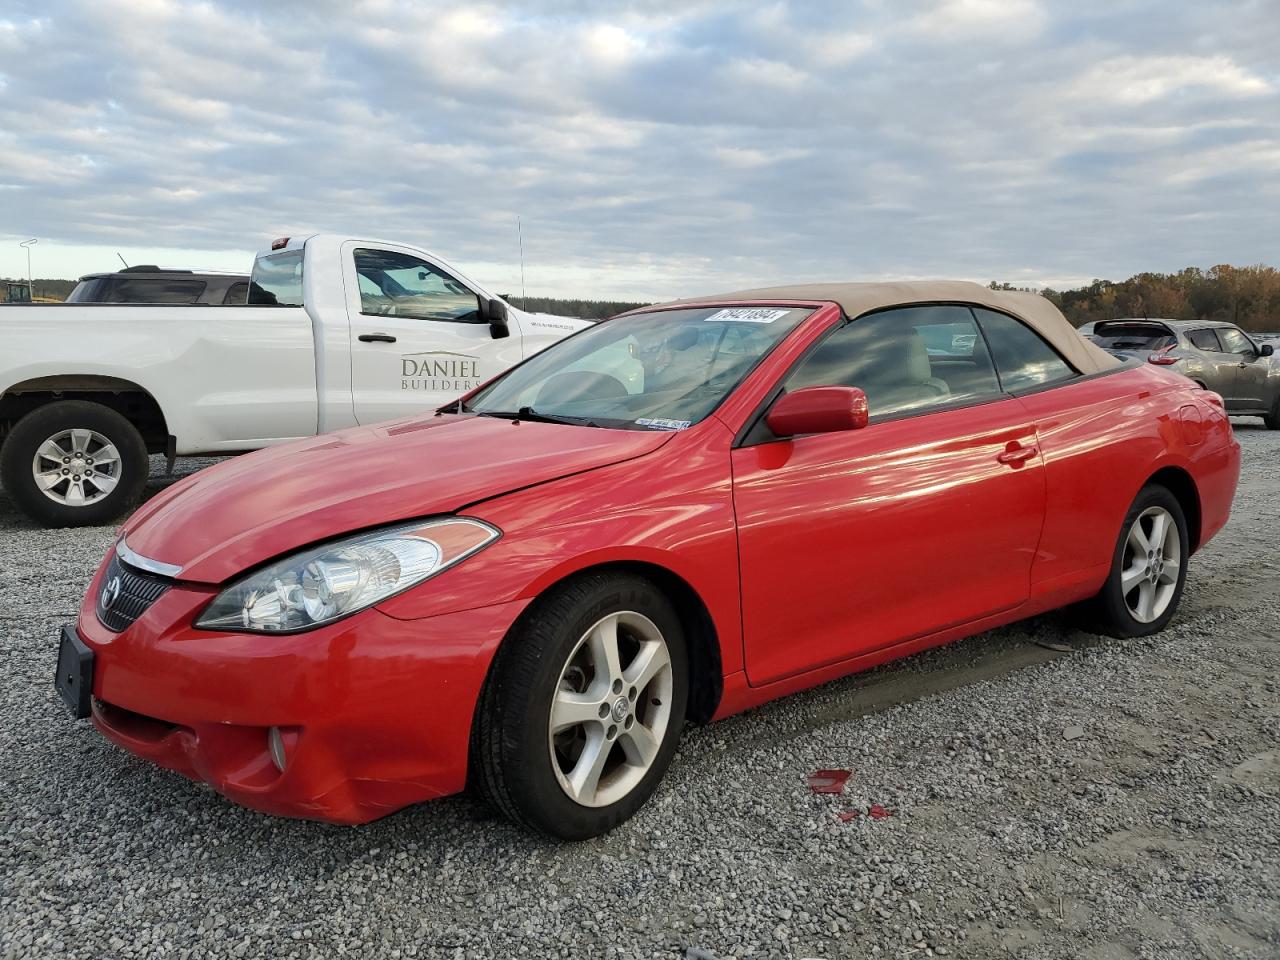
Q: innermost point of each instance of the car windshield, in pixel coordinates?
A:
(1115, 336)
(662, 370)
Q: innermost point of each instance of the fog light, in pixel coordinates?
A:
(275, 746)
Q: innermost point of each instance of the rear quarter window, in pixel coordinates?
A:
(237, 293)
(1205, 340)
(1023, 359)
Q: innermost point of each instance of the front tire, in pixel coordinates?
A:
(583, 707)
(1148, 567)
(74, 464)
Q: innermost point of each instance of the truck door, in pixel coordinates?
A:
(419, 337)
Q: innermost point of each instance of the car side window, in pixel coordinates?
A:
(399, 285)
(905, 360)
(1205, 340)
(1233, 341)
(134, 290)
(1023, 358)
(237, 293)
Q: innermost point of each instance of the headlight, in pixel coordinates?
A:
(334, 580)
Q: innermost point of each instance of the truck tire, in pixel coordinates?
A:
(74, 464)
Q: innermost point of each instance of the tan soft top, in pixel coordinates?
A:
(859, 298)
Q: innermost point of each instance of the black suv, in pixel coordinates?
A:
(152, 285)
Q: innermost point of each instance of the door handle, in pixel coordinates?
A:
(1016, 455)
(376, 338)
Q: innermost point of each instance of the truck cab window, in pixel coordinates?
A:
(277, 279)
(399, 285)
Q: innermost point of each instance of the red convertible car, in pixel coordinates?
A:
(674, 515)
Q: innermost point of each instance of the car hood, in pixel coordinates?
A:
(242, 512)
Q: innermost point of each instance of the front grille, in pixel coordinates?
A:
(126, 594)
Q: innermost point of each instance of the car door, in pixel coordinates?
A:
(929, 517)
(419, 337)
(1251, 369)
(1210, 364)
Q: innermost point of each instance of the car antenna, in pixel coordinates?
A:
(126, 266)
(524, 297)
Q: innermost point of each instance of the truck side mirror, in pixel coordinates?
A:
(1266, 350)
(496, 311)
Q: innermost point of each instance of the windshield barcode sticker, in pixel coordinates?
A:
(748, 315)
(661, 423)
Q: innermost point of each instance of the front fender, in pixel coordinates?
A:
(672, 509)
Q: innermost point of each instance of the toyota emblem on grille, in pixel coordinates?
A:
(111, 593)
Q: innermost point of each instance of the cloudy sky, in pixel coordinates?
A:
(677, 148)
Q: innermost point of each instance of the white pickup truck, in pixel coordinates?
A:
(338, 332)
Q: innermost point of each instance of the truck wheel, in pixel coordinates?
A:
(1148, 568)
(583, 707)
(74, 464)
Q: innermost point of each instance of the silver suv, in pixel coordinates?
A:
(1219, 356)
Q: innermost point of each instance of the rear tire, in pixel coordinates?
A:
(551, 706)
(1148, 567)
(74, 464)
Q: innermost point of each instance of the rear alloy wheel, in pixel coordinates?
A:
(1149, 567)
(74, 464)
(583, 707)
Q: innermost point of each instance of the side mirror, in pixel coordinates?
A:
(1266, 350)
(818, 410)
(496, 311)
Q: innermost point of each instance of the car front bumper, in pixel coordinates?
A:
(371, 713)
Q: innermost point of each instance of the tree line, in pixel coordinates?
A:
(1246, 296)
(582, 309)
(50, 289)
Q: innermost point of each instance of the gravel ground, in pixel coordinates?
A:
(1104, 800)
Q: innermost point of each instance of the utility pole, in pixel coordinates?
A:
(31, 287)
(524, 297)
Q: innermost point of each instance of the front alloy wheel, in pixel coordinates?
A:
(73, 463)
(611, 709)
(76, 467)
(583, 706)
